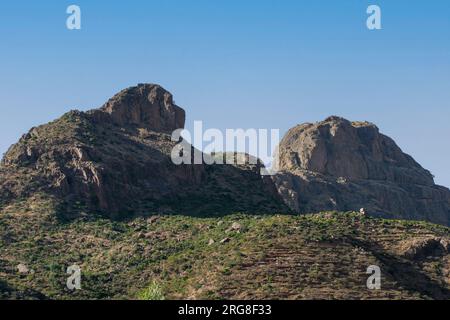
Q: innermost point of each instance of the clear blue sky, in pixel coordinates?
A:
(230, 63)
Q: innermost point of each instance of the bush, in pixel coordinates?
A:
(152, 292)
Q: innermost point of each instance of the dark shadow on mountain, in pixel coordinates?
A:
(404, 272)
(9, 293)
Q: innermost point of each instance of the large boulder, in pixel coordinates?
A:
(341, 165)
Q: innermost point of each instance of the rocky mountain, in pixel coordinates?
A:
(115, 160)
(341, 165)
(98, 190)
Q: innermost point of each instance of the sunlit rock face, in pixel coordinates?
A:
(341, 165)
(147, 106)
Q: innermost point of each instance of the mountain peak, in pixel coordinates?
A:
(145, 105)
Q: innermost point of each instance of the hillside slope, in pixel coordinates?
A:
(321, 256)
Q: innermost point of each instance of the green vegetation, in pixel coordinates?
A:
(153, 292)
(179, 256)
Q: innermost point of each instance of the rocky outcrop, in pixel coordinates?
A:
(341, 165)
(117, 160)
(145, 106)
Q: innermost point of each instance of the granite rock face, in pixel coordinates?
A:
(341, 165)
